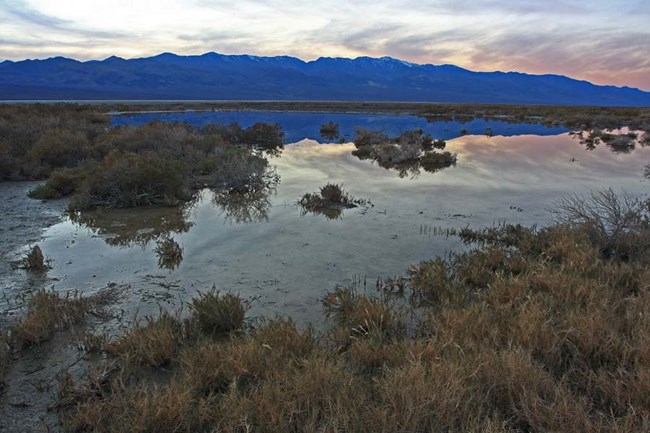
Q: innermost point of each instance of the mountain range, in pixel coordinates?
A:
(215, 76)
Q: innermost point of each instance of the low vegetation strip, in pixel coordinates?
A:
(531, 330)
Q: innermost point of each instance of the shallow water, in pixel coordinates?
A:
(287, 261)
(299, 126)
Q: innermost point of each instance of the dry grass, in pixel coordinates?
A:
(48, 312)
(531, 331)
(213, 313)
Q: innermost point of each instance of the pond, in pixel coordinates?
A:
(266, 248)
(298, 126)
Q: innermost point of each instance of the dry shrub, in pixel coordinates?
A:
(616, 223)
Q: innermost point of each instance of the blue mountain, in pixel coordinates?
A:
(215, 76)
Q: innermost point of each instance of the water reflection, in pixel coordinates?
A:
(244, 206)
(134, 227)
(618, 141)
(299, 126)
(406, 154)
(289, 261)
(169, 252)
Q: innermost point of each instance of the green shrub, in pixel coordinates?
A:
(62, 182)
(128, 180)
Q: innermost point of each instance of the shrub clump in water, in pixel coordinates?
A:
(35, 260)
(407, 153)
(330, 201)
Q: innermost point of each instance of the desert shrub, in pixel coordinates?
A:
(618, 224)
(237, 169)
(129, 179)
(213, 313)
(60, 148)
(63, 182)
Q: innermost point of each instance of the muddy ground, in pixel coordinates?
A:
(28, 399)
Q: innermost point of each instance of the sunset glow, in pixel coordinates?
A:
(600, 41)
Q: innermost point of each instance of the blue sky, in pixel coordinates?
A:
(607, 42)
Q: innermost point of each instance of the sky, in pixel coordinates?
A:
(602, 41)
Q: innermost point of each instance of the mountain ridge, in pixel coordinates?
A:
(244, 77)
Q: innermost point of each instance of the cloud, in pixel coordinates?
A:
(599, 40)
(20, 10)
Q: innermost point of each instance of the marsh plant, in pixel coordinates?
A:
(407, 154)
(47, 312)
(169, 253)
(159, 164)
(35, 261)
(528, 330)
(330, 201)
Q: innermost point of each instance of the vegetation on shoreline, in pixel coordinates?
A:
(163, 164)
(532, 330)
(407, 153)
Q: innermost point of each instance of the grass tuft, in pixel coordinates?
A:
(215, 314)
(48, 311)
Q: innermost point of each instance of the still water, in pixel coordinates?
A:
(298, 126)
(287, 260)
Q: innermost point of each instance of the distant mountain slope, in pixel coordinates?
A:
(242, 77)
